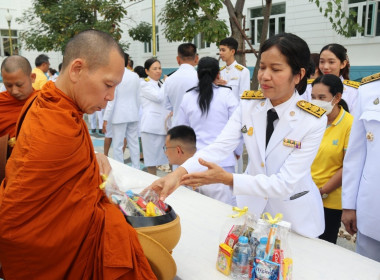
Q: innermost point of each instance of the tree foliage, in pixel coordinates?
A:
(344, 24)
(142, 32)
(53, 22)
(184, 19)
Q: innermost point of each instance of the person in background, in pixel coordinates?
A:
(333, 59)
(207, 108)
(42, 66)
(181, 80)
(139, 70)
(154, 114)
(52, 73)
(180, 144)
(282, 134)
(361, 192)
(327, 166)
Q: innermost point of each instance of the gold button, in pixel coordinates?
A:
(262, 104)
(266, 198)
(262, 164)
(292, 113)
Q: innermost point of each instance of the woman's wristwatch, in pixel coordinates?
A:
(323, 195)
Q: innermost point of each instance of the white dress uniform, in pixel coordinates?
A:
(360, 189)
(152, 125)
(307, 94)
(237, 77)
(176, 85)
(123, 113)
(280, 171)
(207, 128)
(350, 93)
(92, 119)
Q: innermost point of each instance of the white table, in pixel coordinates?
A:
(202, 220)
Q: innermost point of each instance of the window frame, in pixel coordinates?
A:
(361, 16)
(4, 38)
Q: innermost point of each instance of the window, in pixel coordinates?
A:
(367, 16)
(200, 42)
(148, 45)
(5, 48)
(276, 22)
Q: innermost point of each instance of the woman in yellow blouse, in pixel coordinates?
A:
(327, 167)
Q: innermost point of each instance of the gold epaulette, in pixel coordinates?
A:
(311, 108)
(371, 78)
(221, 68)
(239, 67)
(310, 81)
(252, 94)
(146, 79)
(352, 83)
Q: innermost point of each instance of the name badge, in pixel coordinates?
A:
(292, 143)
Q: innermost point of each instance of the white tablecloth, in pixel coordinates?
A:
(202, 219)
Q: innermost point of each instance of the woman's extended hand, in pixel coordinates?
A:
(168, 184)
(214, 174)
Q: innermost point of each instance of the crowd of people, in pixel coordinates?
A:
(309, 157)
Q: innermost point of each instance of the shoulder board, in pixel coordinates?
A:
(225, 86)
(371, 78)
(222, 68)
(351, 83)
(311, 108)
(192, 89)
(146, 79)
(239, 67)
(252, 94)
(310, 81)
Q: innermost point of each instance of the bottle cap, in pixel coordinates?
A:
(264, 240)
(243, 239)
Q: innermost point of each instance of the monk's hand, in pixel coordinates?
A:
(214, 174)
(104, 128)
(168, 184)
(349, 220)
(104, 164)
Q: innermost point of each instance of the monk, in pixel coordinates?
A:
(18, 78)
(55, 221)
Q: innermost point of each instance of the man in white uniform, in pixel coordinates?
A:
(92, 119)
(360, 189)
(123, 113)
(183, 79)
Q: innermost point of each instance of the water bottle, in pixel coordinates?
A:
(260, 250)
(240, 269)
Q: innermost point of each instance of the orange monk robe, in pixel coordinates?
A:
(10, 109)
(55, 222)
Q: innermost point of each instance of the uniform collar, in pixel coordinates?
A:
(186, 66)
(283, 107)
(232, 65)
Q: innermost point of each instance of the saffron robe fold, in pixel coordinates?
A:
(10, 109)
(55, 222)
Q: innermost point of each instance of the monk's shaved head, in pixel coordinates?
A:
(15, 62)
(93, 46)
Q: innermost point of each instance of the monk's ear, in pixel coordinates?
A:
(75, 69)
(33, 77)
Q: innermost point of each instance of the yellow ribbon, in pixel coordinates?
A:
(240, 211)
(12, 142)
(102, 186)
(268, 217)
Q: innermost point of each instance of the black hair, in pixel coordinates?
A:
(183, 133)
(42, 58)
(295, 50)
(315, 59)
(187, 51)
(341, 53)
(130, 63)
(335, 86)
(311, 69)
(148, 63)
(139, 70)
(60, 67)
(126, 58)
(230, 42)
(52, 71)
(208, 69)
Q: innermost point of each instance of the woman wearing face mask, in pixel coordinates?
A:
(152, 125)
(282, 133)
(327, 167)
(333, 60)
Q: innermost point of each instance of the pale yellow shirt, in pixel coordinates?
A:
(41, 79)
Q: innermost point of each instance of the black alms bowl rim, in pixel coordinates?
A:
(140, 221)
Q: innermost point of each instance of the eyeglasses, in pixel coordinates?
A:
(165, 148)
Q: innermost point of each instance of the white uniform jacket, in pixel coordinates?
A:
(154, 113)
(125, 105)
(176, 85)
(237, 77)
(208, 127)
(277, 172)
(360, 189)
(350, 94)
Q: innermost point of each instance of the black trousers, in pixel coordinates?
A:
(332, 225)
